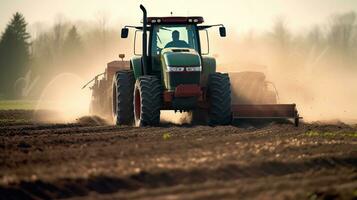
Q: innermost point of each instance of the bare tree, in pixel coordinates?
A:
(102, 20)
(281, 34)
(315, 36)
(342, 32)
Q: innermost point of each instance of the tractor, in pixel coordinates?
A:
(172, 73)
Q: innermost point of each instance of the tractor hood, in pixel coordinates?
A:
(181, 66)
(177, 57)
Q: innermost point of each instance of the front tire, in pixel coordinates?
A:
(219, 90)
(147, 101)
(123, 87)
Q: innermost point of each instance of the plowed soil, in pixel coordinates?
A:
(90, 160)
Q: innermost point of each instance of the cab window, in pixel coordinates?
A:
(168, 36)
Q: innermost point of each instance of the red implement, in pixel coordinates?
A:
(266, 111)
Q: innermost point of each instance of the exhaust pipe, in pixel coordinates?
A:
(144, 65)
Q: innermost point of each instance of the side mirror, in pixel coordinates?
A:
(222, 31)
(124, 32)
(122, 56)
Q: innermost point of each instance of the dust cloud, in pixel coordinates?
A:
(63, 96)
(175, 118)
(317, 70)
(65, 56)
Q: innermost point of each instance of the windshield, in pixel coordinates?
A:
(180, 36)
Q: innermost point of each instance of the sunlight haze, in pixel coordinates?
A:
(244, 15)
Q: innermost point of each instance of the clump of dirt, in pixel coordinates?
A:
(23, 145)
(91, 120)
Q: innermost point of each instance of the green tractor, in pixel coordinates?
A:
(171, 74)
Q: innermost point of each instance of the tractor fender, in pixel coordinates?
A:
(135, 65)
(208, 67)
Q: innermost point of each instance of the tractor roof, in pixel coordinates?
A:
(175, 20)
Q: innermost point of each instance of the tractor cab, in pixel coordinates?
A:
(171, 41)
(171, 50)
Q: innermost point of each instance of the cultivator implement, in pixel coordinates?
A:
(266, 111)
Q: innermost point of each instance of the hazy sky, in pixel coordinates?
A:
(242, 14)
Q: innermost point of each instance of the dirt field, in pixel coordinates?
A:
(88, 161)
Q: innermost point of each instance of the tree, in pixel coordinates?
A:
(282, 40)
(14, 54)
(72, 51)
(315, 36)
(72, 43)
(281, 34)
(341, 38)
(57, 39)
(341, 31)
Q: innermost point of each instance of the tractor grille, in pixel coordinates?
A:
(177, 78)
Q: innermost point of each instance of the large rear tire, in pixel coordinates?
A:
(219, 91)
(123, 87)
(147, 101)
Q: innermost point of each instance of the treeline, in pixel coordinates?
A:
(331, 44)
(29, 63)
(81, 49)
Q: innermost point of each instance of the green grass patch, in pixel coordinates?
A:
(14, 121)
(17, 105)
(166, 136)
(330, 134)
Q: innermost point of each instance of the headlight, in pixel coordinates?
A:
(182, 69)
(175, 69)
(193, 69)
